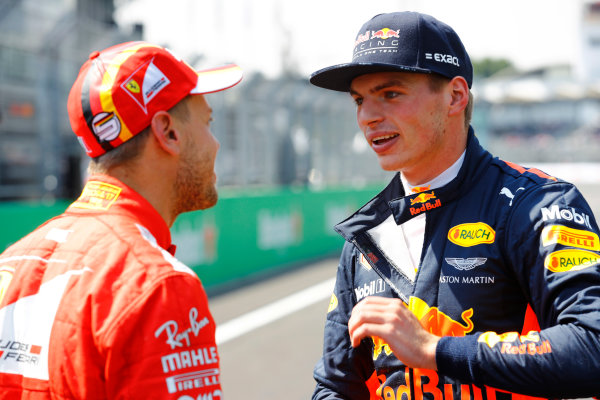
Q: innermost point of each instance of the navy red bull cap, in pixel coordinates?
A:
(119, 90)
(400, 41)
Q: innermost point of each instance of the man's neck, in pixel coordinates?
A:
(438, 181)
(151, 185)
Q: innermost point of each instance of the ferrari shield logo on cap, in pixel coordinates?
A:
(152, 79)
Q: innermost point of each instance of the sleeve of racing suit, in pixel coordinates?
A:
(164, 345)
(552, 246)
(342, 371)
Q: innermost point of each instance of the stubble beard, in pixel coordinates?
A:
(436, 143)
(193, 190)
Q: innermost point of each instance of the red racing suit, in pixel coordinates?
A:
(93, 305)
(509, 277)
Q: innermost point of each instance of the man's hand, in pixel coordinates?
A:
(390, 320)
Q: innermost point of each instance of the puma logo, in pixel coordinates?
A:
(506, 191)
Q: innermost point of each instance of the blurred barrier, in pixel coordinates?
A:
(251, 234)
(247, 234)
(18, 219)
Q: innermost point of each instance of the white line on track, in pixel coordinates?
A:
(271, 312)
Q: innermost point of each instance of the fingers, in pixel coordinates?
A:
(366, 330)
(390, 320)
(375, 316)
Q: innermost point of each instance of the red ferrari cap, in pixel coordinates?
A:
(119, 89)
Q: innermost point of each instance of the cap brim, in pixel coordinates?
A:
(339, 77)
(217, 79)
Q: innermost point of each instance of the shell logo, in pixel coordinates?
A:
(364, 262)
(571, 260)
(471, 234)
(333, 303)
(6, 275)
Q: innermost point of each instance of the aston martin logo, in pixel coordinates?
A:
(465, 264)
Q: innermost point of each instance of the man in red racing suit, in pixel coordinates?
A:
(93, 303)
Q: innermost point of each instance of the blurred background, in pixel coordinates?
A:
(292, 162)
(537, 85)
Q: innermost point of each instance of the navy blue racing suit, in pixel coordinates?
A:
(509, 276)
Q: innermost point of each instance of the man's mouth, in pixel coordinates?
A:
(383, 139)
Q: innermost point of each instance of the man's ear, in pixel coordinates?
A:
(459, 95)
(165, 132)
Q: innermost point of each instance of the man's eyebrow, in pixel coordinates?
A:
(381, 86)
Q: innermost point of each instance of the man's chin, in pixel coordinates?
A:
(209, 200)
(388, 166)
(210, 204)
(194, 201)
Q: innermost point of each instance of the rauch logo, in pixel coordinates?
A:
(471, 234)
(571, 260)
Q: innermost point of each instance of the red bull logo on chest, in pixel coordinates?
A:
(426, 201)
(438, 323)
(423, 198)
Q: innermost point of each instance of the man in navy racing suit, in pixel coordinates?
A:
(467, 277)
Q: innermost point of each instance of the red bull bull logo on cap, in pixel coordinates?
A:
(385, 33)
(373, 41)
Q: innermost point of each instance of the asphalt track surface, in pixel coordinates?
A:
(270, 332)
(275, 359)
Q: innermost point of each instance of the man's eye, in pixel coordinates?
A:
(358, 101)
(391, 95)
